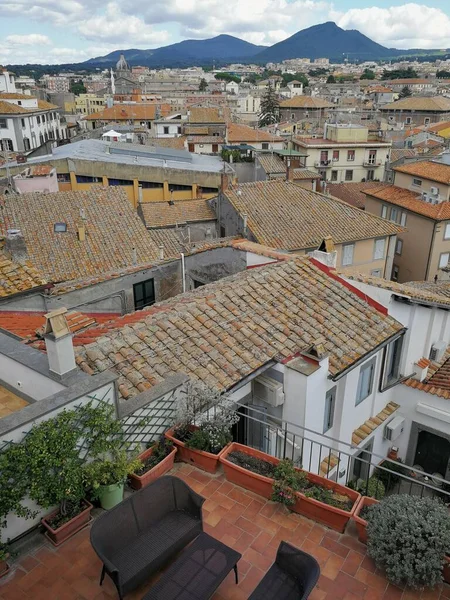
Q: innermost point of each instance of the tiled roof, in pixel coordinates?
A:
(200, 114)
(41, 170)
(306, 102)
(352, 193)
(410, 200)
(300, 174)
(15, 96)
(437, 382)
(284, 215)
(440, 294)
(194, 130)
(420, 103)
(244, 133)
(398, 153)
(177, 143)
(168, 239)
(434, 127)
(163, 214)
(271, 163)
(126, 112)
(8, 108)
(112, 228)
(43, 105)
(205, 139)
(378, 89)
(223, 331)
(16, 278)
(427, 169)
(364, 430)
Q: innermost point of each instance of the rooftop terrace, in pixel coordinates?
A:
(240, 519)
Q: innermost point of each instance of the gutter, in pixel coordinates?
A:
(430, 251)
(363, 358)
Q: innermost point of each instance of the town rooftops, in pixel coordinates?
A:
(411, 201)
(16, 278)
(164, 214)
(225, 331)
(351, 192)
(127, 112)
(284, 215)
(202, 114)
(437, 382)
(306, 102)
(244, 133)
(440, 288)
(420, 103)
(271, 163)
(427, 169)
(50, 225)
(321, 141)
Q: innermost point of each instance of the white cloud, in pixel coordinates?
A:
(33, 39)
(58, 12)
(407, 26)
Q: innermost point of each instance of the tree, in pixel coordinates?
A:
(287, 77)
(405, 92)
(77, 87)
(203, 85)
(270, 108)
(331, 79)
(443, 74)
(227, 77)
(368, 74)
(408, 73)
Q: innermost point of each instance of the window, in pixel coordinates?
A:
(347, 254)
(197, 283)
(43, 118)
(19, 102)
(447, 232)
(378, 251)
(179, 130)
(426, 121)
(399, 247)
(26, 144)
(63, 177)
(365, 382)
(394, 215)
(3, 124)
(265, 146)
(408, 120)
(335, 155)
(443, 260)
(334, 175)
(144, 293)
(119, 181)
(370, 175)
(88, 179)
(166, 130)
(348, 175)
(178, 187)
(38, 119)
(150, 184)
(6, 145)
(376, 273)
(330, 401)
(384, 210)
(23, 123)
(395, 271)
(417, 182)
(60, 227)
(403, 219)
(372, 157)
(350, 155)
(293, 116)
(392, 358)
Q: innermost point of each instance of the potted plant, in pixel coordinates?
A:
(249, 468)
(408, 537)
(156, 460)
(4, 555)
(105, 476)
(56, 472)
(204, 420)
(375, 492)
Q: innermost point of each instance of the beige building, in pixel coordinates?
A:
(88, 104)
(344, 154)
(418, 200)
(285, 216)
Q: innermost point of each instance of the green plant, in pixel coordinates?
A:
(374, 487)
(285, 471)
(161, 450)
(408, 537)
(4, 552)
(392, 477)
(109, 470)
(199, 440)
(283, 493)
(252, 463)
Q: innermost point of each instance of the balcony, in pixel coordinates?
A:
(323, 164)
(371, 163)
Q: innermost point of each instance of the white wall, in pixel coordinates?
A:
(26, 380)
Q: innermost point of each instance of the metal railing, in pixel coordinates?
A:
(334, 459)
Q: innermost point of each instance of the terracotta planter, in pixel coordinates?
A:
(203, 460)
(247, 479)
(139, 481)
(446, 570)
(333, 517)
(63, 533)
(4, 567)
(361, 524)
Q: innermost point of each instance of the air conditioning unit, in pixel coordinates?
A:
(436, 201)
(437, 350)
(424, 196)
(394, 428)
(268, 390)
(434, 190)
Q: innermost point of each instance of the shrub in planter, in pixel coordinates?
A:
(156, 460)
(373, 488)
(390, 479)
(408, 537)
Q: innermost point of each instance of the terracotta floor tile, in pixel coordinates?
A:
(335, 547)
(239, 496)
(333, 566)
(223, 500)
(257, 559)
(248, 526)
(261, 542)
(253, 509)
(352, 563)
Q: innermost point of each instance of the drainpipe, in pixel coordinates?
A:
(183, 272)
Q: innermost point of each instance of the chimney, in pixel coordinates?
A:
(134, 256)
(224, 182)
(81, 233)
(15, 246)
(140, 194)
(58, 341)
(244, 224)
(161, 252)
(326, 253)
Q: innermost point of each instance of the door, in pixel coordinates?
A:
(361, 463)
(191, 147)
(252, 429)
(215, 148)
(432, 453)
(144, 294)
(324, 157)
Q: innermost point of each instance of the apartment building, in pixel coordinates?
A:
(417, 110)
(345, 154)
(57, 83)
(88, 104)
(304, 107)
(419, 200)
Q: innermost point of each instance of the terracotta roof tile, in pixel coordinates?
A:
(284, 215)
(411, 201)
(205, 333)
(427, 169)
(420, 103)
(306, 102)
(15, 96)
(440, 288)
(177, 143)
(8, 108)
(16, 278)
(364, 430)
(399, 153)
(168, 239)
(244, 134)
(352, 193)
(163, 214)
(271, 163)
(112, 230)
(438, 378)
(304, 174)
(127, 112)
(201, 114)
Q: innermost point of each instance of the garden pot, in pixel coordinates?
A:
(361, 524)
(4, 567)
(259, 484)
(139, 481)
(203, 460)
(335, 518)
(67, 530)
(445, 571)
(110, 495)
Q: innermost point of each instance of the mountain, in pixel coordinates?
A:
(189, 52)
(325, 41)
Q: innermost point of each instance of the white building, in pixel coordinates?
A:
(26, 122)
(232, 88)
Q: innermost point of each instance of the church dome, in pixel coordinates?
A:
(122, 64)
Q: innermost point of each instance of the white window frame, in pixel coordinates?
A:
(443, 262)
(377, 255)
(395, 272)
(399, 247)
(447, 232)
(330, 405)
(394, 211)
(403, 219)
(384, 211)
(351, 175)
(417, 182)
(345, 262)
(365, 386)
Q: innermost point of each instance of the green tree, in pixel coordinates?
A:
(318, 72)
(301, 77)
(203, 85)
(331, 79)
(77, 87)
(227, 77)
(443, 74)
(368, 74)
(405, 92)
(270, 108)
(408, 73)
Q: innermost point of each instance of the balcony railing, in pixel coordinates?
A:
(332, 458)
(323, 164)
(371, 163)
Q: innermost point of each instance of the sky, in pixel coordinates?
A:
(63, 31)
